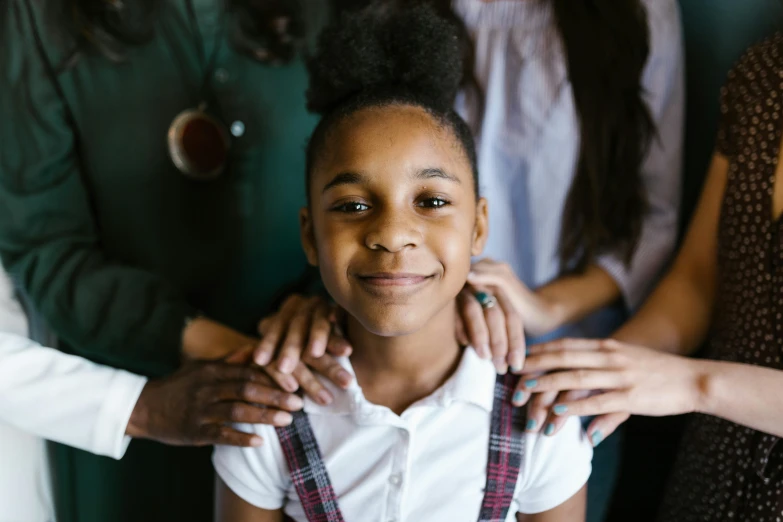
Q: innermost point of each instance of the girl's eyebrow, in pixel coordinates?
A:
(354, 178)
(436, 173)
(344, 178)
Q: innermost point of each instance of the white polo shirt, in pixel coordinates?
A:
(428, 464)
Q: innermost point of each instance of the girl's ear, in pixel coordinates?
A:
(307, 235)
(481, 228)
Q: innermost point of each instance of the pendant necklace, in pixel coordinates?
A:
(198, 142)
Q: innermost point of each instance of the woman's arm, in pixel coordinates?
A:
(572, 510)
(231, 508)
(675, 319)
(636, 380)
(677, 315)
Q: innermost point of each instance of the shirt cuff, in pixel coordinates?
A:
(121, 397)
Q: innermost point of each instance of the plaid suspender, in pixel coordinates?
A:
(506, 447)
(308, 472)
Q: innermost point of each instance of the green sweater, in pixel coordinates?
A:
(114, 247)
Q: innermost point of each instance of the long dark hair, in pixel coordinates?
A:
(268, 30)
(606, 43)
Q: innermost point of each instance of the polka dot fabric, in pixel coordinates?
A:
(725, 471)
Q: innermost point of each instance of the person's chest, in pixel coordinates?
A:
(429, 464)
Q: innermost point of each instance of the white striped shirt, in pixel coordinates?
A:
(528, 145)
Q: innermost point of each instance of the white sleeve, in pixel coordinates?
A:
(259, 476)
(555, 468)
(65, 398)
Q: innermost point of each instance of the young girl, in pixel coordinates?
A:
(394, 216)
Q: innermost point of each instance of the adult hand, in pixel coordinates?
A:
(196, 405)
(539, 315)
(302, 325)
(611, 380)
(494, 332)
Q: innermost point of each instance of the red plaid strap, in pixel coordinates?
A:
(506, 447)
(308, 472)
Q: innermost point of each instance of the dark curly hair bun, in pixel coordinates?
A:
(387, 50)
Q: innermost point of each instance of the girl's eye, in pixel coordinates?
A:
(433, 203)
(351, 206)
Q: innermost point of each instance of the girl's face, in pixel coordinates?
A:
(393, 220)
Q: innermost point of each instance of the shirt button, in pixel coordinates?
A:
(221, 75)
(395, 480)
(237, 129)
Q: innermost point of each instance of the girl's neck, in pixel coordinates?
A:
(398, 371)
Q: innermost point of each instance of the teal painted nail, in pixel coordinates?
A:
(527, 351)
(597, 438)
(550, 429)
(531, 424)
(532, 383)
(518, 396)
(560, 409)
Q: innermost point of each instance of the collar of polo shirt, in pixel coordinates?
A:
(473, 382)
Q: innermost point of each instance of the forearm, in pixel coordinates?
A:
(675, 319)
(573, 297)
(742, 393)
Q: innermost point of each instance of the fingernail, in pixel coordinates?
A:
(344, 377)
(288, 383)
(256, 441)
(531, 383)
(282, 418)
(518, 397)
(318, 349)
(531, 424)
(286, 365)
(550, 429)
(485, 352)
(560, 409)
(515, 362)
(262, 359)
(596, 438)
(324, 397)
(294, 402)
(501, 367)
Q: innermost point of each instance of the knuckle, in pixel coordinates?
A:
(224, 433)
(236, 412)
(581, 376)
(247, 391)
(276, 399)
(608, 344)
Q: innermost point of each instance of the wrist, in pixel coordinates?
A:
(554, 313)
(705, 385)
(138, 423)
(205, 339)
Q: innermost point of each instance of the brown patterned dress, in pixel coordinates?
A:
(726, 471)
